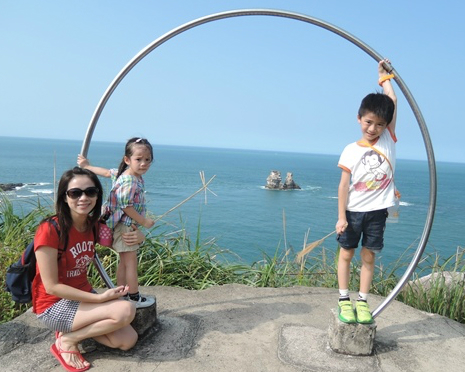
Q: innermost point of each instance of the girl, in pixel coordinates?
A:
(125, 208)
(62, 297)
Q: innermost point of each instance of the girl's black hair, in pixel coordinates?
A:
(129, 150)
(63, 212)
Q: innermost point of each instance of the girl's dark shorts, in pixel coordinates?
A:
(369, 226)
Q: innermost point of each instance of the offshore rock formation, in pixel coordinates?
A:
(289, 183)
(274, 181)
(10, 186)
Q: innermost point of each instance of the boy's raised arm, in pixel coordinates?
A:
(388, 90)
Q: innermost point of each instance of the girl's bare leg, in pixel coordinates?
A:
(121, 271)
(129, 259)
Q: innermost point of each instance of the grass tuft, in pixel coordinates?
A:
(173, 258)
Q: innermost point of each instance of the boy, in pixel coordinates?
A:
(365, 192)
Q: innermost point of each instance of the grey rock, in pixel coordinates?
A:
(10, 186)
(289, 183)
(351, 339)
(447, 278)
(274, 181)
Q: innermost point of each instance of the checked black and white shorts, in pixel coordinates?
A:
(60, 316)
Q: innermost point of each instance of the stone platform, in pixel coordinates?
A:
(351, 339)
(240, 328)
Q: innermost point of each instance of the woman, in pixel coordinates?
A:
(63, 298)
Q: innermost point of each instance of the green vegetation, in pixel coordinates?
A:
(15, 233)
(444, 292)
(174, 259)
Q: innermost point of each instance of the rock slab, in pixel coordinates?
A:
(350, 339)
(145, 319)
(239, 328)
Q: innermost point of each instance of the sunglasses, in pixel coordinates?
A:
(91, 192)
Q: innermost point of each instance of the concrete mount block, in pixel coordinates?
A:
(145, 318)
(350, 339)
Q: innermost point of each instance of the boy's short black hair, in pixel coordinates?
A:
(379, 104)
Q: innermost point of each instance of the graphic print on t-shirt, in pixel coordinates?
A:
(82, 253)
(375, 177)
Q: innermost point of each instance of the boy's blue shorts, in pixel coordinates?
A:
(368, 225)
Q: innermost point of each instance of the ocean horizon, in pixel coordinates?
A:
(239, 213)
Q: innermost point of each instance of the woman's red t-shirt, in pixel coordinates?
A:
(72, 266)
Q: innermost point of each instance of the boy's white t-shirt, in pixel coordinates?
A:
(372, 179)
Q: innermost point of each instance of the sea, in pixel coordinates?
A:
(236, 211)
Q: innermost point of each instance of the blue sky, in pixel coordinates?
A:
(250, 82)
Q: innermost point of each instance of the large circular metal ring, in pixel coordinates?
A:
(317, 22)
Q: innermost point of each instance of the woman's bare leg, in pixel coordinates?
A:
(108, 323)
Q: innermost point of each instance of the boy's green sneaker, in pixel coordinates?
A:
(346, 312)
(363, 313)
